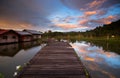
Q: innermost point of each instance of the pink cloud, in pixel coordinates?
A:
(67, 26)
(96, 22)
(71, 26)
(106, 20)
(15, 25)
(83, 22)
(89, 13)
(96, 3)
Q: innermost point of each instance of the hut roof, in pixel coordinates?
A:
(33, 32)
(22, 33)
(2, 31)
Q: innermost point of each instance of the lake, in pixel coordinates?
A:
(13, 55)
(101, 61)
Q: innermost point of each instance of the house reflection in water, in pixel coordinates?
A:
(12, 49)
(9, 50)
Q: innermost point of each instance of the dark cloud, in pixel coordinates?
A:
(34, 12)
(76, 4)
(90, 4)
(110, 3)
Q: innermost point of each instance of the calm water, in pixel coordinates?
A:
(102, 60)
(99, 61)
(13, 55)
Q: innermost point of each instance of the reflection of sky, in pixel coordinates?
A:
(96, 59)
(8, 64)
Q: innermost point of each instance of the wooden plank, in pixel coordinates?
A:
(56, 60)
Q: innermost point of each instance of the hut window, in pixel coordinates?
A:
(5, 37)
(14, 37)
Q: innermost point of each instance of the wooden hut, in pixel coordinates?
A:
(8, 36)
(24, 36)
(35, 34)
(12, 36)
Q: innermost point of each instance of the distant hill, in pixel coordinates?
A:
(112, 29)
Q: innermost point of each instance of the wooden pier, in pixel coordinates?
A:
(56, 60)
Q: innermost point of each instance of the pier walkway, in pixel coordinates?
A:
(56, 60)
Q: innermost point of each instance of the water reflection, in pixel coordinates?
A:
(13, 55)
(9, 50)
(12, 49)
(99, 62)
(107, 45)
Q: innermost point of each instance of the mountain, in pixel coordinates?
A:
(112, 29)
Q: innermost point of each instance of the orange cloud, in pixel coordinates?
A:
(70, 26)
(111, 17)
(14, 25)
(108, 20)
(82, 22)
(100, 21)
(89, 13)
(66, 26)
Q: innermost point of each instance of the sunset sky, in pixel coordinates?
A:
(57, 15)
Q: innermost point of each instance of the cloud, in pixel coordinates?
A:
(27, 12)
(89, 4)
(14, 25)
(106, 20)
(71, 27)
(68, 23)
(97, 22)
(66, 19)
(66, 26)
(76, 4)
(83, 22)
(89, 13)
(101, 12)
(95, 12)
(96, 3)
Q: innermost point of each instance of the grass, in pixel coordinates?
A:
(1, 75)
